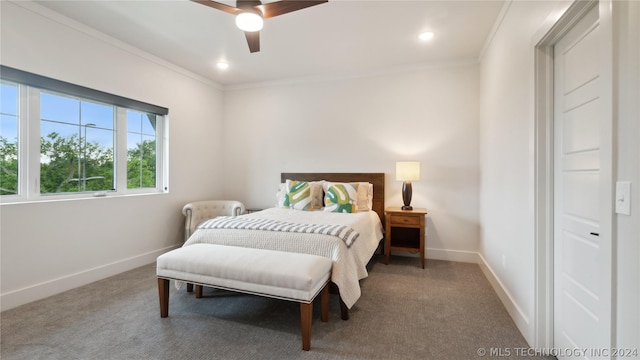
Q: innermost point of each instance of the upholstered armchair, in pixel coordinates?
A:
(198, 211)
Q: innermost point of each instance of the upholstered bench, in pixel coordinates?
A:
(281, 275)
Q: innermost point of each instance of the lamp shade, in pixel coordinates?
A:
(407, 170)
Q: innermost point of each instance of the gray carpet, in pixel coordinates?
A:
(446, 311)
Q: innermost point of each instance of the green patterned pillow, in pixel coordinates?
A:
(341, 197)
(299, 193)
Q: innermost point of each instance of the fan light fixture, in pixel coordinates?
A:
(250, 14)
(249, 21)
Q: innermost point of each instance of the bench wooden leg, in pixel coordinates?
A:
(198, 291)
(189, 287)
(163, 295)
(324, 300)
(306, 312)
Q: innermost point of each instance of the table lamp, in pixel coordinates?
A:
(407, 171)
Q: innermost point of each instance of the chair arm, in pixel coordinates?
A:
(199, 211)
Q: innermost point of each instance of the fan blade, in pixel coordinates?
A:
(282, 7)
(247, 4)
(219, 6)
(253, 40)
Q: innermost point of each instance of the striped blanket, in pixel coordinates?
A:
(345, 233)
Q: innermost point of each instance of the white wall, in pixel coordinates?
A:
(507, 158)
(366, 124)
(49, 247)
(627, 246)
(507, 162)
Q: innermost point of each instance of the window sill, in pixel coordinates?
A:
(16, 200)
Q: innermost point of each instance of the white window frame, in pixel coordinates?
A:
(29, 152)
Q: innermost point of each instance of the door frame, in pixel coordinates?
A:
(544, 165)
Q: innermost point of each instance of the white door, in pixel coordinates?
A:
(582, 256)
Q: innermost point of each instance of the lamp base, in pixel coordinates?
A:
(406, 195)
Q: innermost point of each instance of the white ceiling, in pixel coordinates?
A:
(341, 37)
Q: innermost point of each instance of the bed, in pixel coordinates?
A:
(349, 257)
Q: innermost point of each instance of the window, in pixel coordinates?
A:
(76, 142)
(76, 146)
(8, 138)
(141, 150)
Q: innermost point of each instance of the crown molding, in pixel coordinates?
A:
(89, 31)
(333, 77)
(496, 26)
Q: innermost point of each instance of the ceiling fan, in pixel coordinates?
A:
(250, 14)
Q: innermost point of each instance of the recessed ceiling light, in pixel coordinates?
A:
(222, 65)
(426, 36)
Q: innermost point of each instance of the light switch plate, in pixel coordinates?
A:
(623, 197)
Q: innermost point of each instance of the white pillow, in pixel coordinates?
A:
(317, 196)
(365, 196)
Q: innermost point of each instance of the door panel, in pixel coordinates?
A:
(582, 161)
(581, 269)
(580, 128)
(583, 95)
(580, 62)
(580, 196)
(581, 319)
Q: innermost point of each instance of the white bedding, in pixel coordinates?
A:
(349, 264)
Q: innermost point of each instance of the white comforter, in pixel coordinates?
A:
(349, 264)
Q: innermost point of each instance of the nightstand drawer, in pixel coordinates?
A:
(404, 220)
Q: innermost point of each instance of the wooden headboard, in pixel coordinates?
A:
(377, 179)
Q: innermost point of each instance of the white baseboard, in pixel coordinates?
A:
(519, 317)
(444, 254)
(45, 289)
(452, 255)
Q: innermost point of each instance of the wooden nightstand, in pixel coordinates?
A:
(405, 231)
